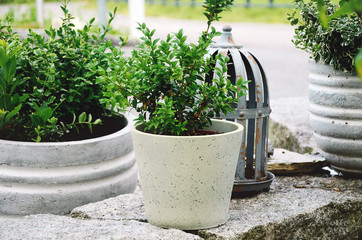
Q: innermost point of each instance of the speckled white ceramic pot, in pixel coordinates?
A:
(187, 181)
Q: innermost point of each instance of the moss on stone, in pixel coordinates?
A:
(333, 221)
(281, 137)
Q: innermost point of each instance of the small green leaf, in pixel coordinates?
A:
(12, 113)
(358, 63)
(90, 128)
(82, 117)
(36, 120)
(46, 114)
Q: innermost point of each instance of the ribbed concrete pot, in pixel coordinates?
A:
(187, 181)
(336, 116)
(57, 177)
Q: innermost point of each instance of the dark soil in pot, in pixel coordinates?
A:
(208, 132)
(109, 125)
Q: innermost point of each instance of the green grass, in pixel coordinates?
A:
(26, 19)
(237, 14)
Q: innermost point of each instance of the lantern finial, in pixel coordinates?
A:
(227, 28)
(226, 40)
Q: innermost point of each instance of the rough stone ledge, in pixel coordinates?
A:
(299, 207)
(332, 221)
(48, 226)
(289, 125)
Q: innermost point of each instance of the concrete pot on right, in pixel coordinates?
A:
(336, 116)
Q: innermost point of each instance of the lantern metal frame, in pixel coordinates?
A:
(252, 112)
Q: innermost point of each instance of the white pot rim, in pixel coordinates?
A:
(238, 127)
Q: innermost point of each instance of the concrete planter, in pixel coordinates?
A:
(336, 116)
(187, 181)
(57, 177)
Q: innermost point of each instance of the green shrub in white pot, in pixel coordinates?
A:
(62, 141)
(186, 175)
(335, 91)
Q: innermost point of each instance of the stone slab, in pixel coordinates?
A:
(289, 125)
(287, 162)
(299, 207)
(61, 227)
(122, 207)
(40, 227)
(291, 202)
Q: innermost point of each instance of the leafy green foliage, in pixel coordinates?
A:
(58, 78)
(336, 45)
(6, 30)
(10, 103)
(213, 8)
(358, 63)
(345, 8)
(166, 80)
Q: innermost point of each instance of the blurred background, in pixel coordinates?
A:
(261, 11)
(260, 26)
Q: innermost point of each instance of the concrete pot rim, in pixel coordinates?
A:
(116, 134)
(238, 127)
(328, 68)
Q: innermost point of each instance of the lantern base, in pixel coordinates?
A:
(248, 186)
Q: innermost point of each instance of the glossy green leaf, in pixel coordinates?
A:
(82, 117)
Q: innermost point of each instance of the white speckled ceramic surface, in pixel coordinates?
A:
(187, 181)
